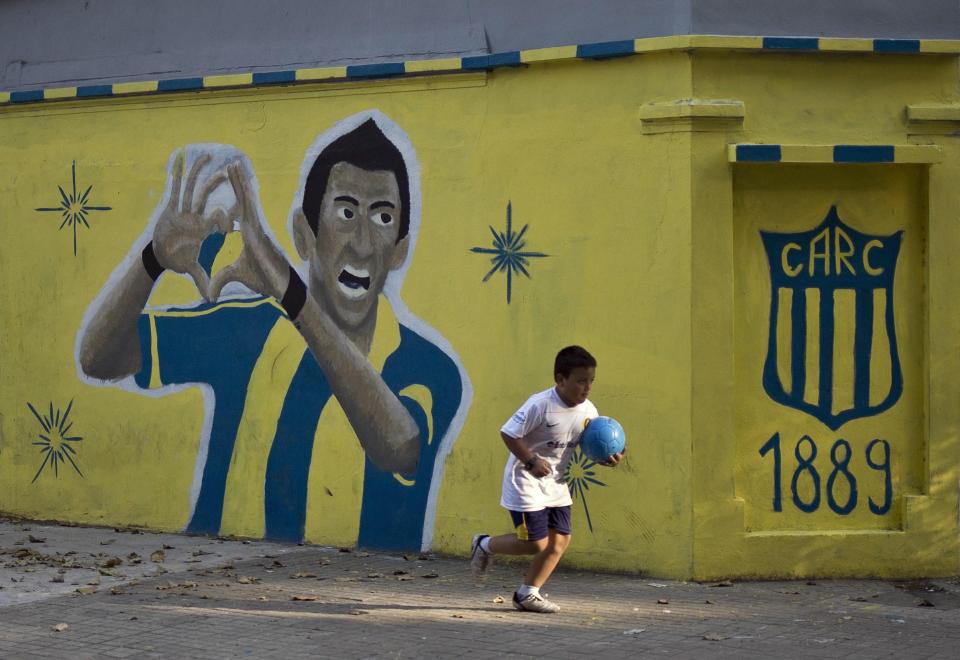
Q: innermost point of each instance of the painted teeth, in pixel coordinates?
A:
(354, 282)
(351, 292)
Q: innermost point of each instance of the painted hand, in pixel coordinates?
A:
(182, 225)
(261, 266)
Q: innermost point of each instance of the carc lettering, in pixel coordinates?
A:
(833, 252)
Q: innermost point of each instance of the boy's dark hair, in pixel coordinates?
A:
(365, 147)
(570, 358)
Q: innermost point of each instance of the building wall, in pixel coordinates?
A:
(633, 229)
(880, 487)
(66, 42)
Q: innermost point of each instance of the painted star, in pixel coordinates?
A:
(579, 476)
(74, 208)
(55, 441)
(508, 253)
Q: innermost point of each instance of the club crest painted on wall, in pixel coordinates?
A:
(829, 283)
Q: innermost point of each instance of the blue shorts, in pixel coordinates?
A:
(534, 525)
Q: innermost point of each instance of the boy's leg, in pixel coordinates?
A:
(558, 538)
(546, 551)
(548, 532)
(509, 544)
(518, 543)
(545, 561)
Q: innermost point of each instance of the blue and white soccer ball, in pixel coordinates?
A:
(602, 438)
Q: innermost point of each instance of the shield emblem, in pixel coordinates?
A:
(832, 347)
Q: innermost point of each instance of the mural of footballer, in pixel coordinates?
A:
(399, 384)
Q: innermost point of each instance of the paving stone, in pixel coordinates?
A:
(204, 611)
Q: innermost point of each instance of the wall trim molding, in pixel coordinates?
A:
(855, 154)
(518, 58)
(692, 115)
(933, 119)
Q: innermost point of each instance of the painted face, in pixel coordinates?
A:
(573, 389)
(356, 241)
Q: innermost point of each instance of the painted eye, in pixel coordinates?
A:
(345, 213)
(382, 218)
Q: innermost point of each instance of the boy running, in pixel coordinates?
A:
(542, 436)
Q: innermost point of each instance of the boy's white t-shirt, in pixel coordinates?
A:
(551, 430)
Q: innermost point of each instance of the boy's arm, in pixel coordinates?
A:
(537, 466)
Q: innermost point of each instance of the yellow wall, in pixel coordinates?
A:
(804, 102)
(655, 265)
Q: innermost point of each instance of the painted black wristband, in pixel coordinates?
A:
(150, 263)
(295, 296)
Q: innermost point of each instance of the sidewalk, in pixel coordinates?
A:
(127, 594)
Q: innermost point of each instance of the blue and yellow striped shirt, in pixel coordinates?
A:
(282, 461)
